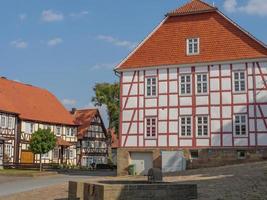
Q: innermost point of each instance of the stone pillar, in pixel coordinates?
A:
(123, 161)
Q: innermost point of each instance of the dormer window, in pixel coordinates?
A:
(192, 46)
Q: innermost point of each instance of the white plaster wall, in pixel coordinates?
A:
(173, 141)
(215, 140)
(227, 139)
(262, 139)
(162, 140)
(185, 143)
(202, 142)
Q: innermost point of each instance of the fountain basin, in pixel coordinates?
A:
(131, 190)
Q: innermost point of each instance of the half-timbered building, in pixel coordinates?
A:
(93, 141)
(8, 130)
(23, 110)
(196, 84)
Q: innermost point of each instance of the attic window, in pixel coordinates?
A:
(192, 46)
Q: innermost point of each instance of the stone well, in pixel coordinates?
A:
(131, 190)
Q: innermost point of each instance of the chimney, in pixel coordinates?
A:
(73, 110)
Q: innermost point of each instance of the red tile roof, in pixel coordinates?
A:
(32, 103)
(83, 119)
(195, 6)
(61, 142)
(220, 40)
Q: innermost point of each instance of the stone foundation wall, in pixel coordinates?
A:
(206, 157)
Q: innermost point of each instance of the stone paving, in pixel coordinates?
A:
(237, 182)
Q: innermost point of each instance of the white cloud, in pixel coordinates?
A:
(54, 41)
(117, 42)
(230, 5)
(20, 44)
(79, 14)
(69, 102)
(23, 17)
(51, 16)
(252, 7)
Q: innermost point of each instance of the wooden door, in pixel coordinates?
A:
(26, 156)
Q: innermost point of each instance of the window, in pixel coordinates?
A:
(185, 126)
(8, 150)
(69, 132)
(3, 121)
(10, 122)
(194, 154)
(56, 153)
(185, 84)
(29, 127)
(240, 125)
(150, 127)
(202, 126)
(241, 154)
(58, 130)
(202, 83)
(151, 87)
(239, 81)
(45, 155)
(71, 154)
(192, 46)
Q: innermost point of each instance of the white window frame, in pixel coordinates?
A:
(152, 86)
(150, 126)
(69, 132)
(201, 82)
(185, 83)
(202, 126)
(60, 131)
(46, 155)
(186, 126)
(240, 124)
(3, 121)
(70, 153)
(8, 150)
(55, 153)
(10, 123)
(239, 80)
(191, 42)
(29, 127)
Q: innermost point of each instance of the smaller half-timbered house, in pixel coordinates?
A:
(93, 140)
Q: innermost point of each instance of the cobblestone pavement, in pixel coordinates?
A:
(236, 182)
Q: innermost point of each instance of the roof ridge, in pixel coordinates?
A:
(22, 83)
(192, 7)
(85, 109)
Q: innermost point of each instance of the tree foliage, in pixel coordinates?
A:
(42, 141)
(109, 95)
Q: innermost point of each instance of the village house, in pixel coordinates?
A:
(93, 141)
(196, 85)
(23, 110)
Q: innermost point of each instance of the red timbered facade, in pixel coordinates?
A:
(198, 81)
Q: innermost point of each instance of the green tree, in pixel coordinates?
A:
(108, 94)
(42, 141)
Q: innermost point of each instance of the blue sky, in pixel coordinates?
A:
(68, 46)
